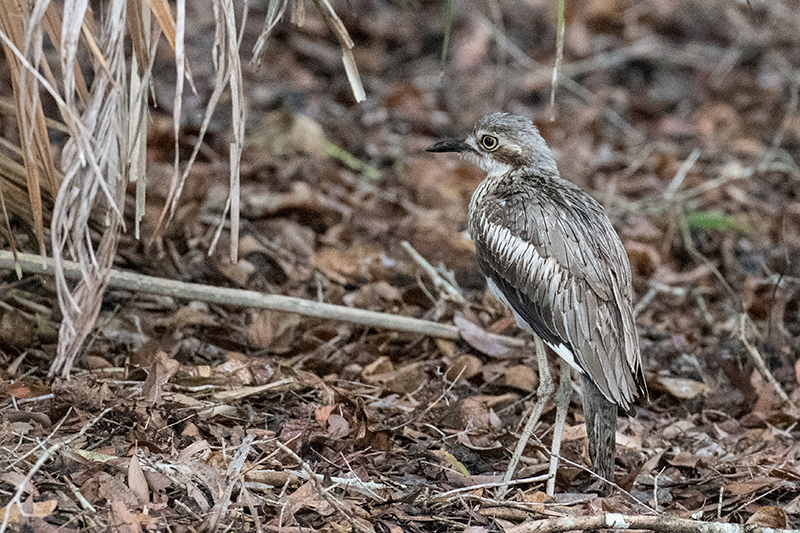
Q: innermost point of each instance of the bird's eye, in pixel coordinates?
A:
(489, 142)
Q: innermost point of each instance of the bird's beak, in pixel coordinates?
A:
(451, 146)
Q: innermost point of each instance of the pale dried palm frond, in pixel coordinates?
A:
(105, 126)
(275, 11)
(36, 154)
(228, 69)
(94, 163)
(106, 123)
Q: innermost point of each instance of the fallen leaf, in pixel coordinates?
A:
(463, 368)
(682, 388)
(35, 509)
(478, 338)
(137, 481)
(122, 519)
(521, 377)
(769, 516)
(273, 330)
(158, 375)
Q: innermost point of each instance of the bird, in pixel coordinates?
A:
(551, 255)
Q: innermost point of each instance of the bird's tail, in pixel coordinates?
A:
(601, 428)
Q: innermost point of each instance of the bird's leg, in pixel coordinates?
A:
(562, 405)
(543, 393)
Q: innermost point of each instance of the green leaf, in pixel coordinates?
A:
(715, 219)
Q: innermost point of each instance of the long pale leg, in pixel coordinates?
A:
(543, 393)
(562, 406)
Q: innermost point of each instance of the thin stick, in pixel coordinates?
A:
(660, 524)
(450, 493)
(677, 181)
(441, 284)
(755, 355)
(244, 298)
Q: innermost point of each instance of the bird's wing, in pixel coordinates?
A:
(561, 267)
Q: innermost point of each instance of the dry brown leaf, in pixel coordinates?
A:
(521, 377)
(137, 481)
(338, 427)
(112, 488)
(238, 272)
(286, 133)
(235, 370)
(405, 379)
(474, 414)
(685, 459)
(122, 520)
(377, 296)
(307, 497)
(683, 388)
(35, 509)
(273, 330)
(322, 413)
(769, 516)
(15, 479)
(576, 432)
(463, 368)
(16, 331)
(158, 375)
(749, 486)
(157, 482)
(478, 338)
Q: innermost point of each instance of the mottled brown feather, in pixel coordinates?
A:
(583, 300)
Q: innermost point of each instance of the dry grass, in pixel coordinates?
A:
(80, 192)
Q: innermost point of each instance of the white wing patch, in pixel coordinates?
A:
(561, 349)
(498, 294)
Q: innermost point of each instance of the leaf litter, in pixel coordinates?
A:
(189, 416)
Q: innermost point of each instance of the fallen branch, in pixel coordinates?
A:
(660, 524)
(244, 298)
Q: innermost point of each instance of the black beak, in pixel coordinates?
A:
(451, 146)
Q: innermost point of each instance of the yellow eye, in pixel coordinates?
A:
(489, 142)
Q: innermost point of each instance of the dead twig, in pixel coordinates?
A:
(677, 180)
(449, 291)
(755, 355)
(244, 298)
(444, 496)
(661, 524)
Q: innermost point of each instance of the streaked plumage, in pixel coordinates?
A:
(551, 255)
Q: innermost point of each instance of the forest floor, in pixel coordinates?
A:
(680, 117)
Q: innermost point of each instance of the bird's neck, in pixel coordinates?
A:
(495, 168)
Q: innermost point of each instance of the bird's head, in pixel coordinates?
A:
(500, 143)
